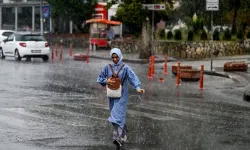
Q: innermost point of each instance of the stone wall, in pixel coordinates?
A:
(189, 50)
(81, 40)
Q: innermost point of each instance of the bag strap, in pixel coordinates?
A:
(111, 69)
(118, 70)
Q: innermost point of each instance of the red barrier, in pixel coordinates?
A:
(178, 80)
(52, 53)
(161, 80)
(70, 50)
(150, 68)
(166, 65)
(201, 77)
(61, 54)
(56, 50)
(165, 69)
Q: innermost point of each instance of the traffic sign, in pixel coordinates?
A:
(46, 11)
(212, 5)
(154, 6)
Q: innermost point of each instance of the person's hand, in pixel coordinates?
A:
(141, 91)
(110, 81)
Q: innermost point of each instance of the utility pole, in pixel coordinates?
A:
(41, 17)
(153, 7)
(212, 46)
(212, 5)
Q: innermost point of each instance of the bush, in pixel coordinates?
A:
(178, 35)
(227, 35)
(244, 25)
(216, 35)
(170, 35)
(190, 35)
(198, 25)
(204, 35)
(221, 30)
(162, 34)
(240, 34)
(248, 35)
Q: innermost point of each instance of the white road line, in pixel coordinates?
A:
(32, 124)
(135, 113)
(201, 110)
(177, 112)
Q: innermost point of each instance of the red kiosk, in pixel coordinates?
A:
(98, 32)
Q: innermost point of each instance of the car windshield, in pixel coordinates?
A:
(32, 38)
(7, 33)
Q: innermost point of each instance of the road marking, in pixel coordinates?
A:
(20, 123)
(177, 112)
(136, 113)
(10, 119)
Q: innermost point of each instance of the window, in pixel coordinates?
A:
(7, 33)
(11, 37)
(32, 38)
(18, 37)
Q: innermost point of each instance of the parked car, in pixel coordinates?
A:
(25, 45)
(4, 34)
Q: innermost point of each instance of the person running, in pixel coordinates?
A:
(118, 106)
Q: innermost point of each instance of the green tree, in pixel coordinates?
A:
(233, 6)
(75, 10)
(132, 14)
(137, 19)
(238, 13)
(231, 12)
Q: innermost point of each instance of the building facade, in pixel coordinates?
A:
(21, 15)
(25, 15)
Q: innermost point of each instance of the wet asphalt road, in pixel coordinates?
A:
(59, 106)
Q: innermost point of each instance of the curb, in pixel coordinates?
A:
(139, 61)
(145, 61)
(214, 73)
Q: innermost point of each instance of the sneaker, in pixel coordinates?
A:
(124, 138)
(117, 143)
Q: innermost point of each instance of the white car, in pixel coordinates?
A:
(25, 45)
(4, 34)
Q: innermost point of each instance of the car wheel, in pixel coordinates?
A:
(28, 58)
(1, 53)
(17, 56)
(45, 58)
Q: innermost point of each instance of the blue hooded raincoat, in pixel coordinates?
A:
(118, 106)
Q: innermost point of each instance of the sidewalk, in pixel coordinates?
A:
(217, 63)
(129, 57)
(134, 57)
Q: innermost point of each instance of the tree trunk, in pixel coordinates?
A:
(235, 17)
(145, 50)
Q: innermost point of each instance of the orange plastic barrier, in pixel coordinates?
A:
(201, 77)
(61, 54)
(70, 50)
(178, 80)
(236, 66)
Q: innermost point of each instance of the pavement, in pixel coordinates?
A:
(212, 67)
(217, 63)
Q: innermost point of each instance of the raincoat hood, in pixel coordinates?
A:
(118, 52)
